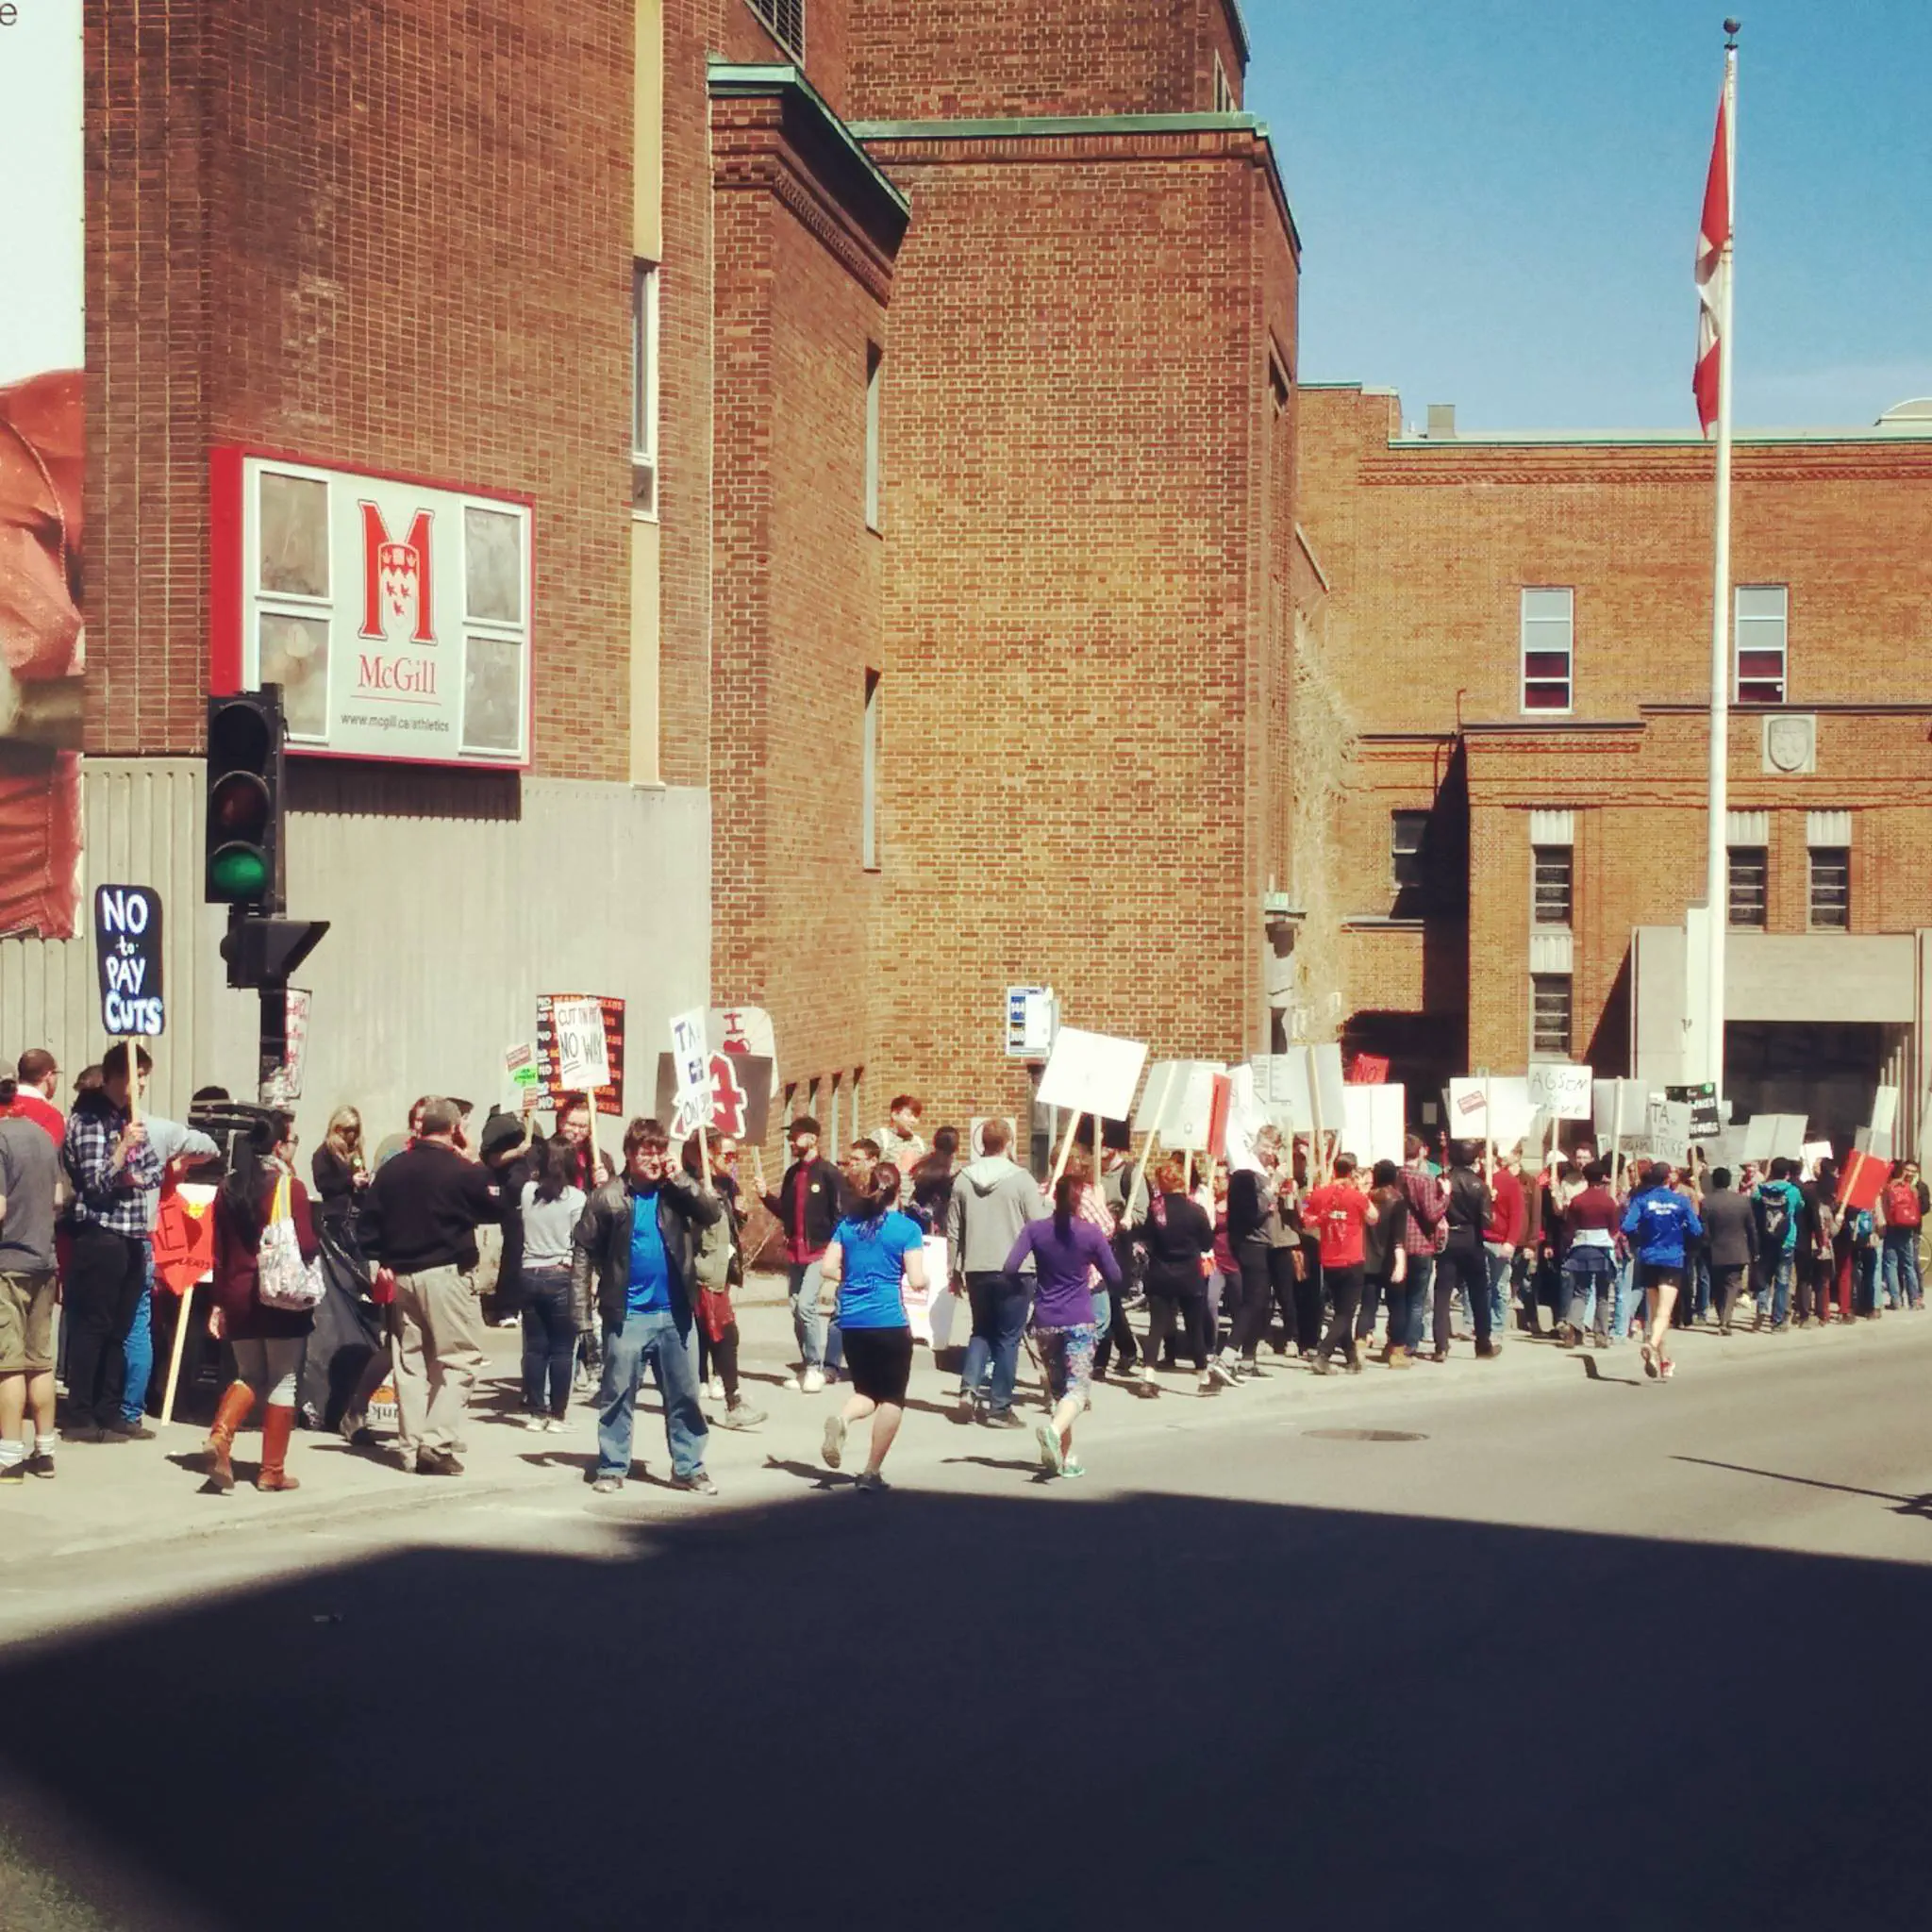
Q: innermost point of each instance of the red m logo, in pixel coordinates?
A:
(396, 580)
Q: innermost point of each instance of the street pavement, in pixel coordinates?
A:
(1529, 1642)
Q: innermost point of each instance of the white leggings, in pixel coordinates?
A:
(269, 1368)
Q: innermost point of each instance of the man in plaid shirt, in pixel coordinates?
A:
(116, 1177)
(1423, 1228)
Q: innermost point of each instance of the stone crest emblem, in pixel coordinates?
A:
(1790, 746)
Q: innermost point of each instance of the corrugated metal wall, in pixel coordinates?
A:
(454, 898)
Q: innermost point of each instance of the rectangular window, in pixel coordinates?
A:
(1548, 641)
(1761, 643)
(644, 388)
(784, 20)
(1409, 832)
(1831, 889)
(874, 365)
(869, 778)
(1549, 1021)
(1750, 872)
(1551, 868)
(1223, 90)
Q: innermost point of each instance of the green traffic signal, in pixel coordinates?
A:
(238, 872)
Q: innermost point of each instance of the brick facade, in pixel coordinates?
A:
(1426, 547)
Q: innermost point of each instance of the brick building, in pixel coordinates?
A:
(1521, 626)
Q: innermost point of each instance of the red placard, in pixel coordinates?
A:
(1369, 1070)
(1217, 1115)
(1861, 1181)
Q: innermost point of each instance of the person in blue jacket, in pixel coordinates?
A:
(1661, 1223)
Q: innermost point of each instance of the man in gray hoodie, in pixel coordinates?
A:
(991, 1202)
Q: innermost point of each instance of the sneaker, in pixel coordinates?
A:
(792, 1382)
(1250, 1371)
(1070, 1468)
(740, 1415)
(697, 1482)
(437, 1463)
(1488, 1351)
(1144, 1383)
(1666, 1368)
(833, 1447)
(965, 1406)
(40, 1463)
(534, 1422)
(554, 1425)
(13, 1474)
(812, 1381)
(1052, 1460)
(1001, 1418)
(1220, 1376)
(1322, 1365)
(869, 1483)
(1205, 1384)
(136, 1431)
(715, 1387)
(606, 1486)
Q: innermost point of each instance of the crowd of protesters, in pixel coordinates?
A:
(621, 1266)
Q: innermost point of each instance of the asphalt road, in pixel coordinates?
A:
(1582, 1651)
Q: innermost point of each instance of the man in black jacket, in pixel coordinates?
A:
(1730, 1222)
(633, 1253)
(1464, 1262)
(809, 1204)
(419, 1218)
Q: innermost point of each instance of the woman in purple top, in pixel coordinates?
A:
(1063, 1248)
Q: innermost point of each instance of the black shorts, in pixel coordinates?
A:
(1658, 1274)
(880, 1361)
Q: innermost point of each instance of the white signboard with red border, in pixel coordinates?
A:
(395, 614)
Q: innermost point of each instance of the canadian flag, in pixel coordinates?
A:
(1713, 272)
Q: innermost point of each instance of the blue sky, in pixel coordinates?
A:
(1498, 202)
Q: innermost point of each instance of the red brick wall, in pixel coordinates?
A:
(317, 229)
(994, 59)
(798, 590)
(1076, 573)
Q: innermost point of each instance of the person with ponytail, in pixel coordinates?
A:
(1178, 1236)
(268, 1342)
(1065, 1248)
(875, 1253)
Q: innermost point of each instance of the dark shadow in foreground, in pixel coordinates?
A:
(1158, 1711)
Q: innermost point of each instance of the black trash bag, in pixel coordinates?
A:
(349, 1330)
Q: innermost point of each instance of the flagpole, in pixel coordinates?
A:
(1716, 855)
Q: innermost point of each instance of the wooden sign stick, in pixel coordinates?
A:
(1066, 1153)
(1131, 1204)
(181, 1321)
(1617, 1139)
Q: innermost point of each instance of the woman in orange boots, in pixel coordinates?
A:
(267, 1342)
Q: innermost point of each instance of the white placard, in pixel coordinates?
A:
(1185, 1104)
(1092, 1072)
(1561, 1093)
(692, 1058)
(1326, 1082)
(1608, 1119)
(583, 1055)
(1812, 1153)
(1498, 1107)
(1885, 1111)
(1246, 1117)
(1373, 1123)
(1788, 1143)
(1281, 1085)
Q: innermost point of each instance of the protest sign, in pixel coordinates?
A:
(1815, 1152)
(1861, 1181)
(127, 947)
(744, 1030)
(1495, 1107)
(1092, 1074)
(1374, 1122)
(1787, 1141)
(523, 1079)
(1281, 1086)
(1369, 1070)
(1246, 1117)
(1667, 1129)
(1760, 1132)
(691, 1060)
(740, 1094)
(1179, 1105)
(1325, 1084)
(1561, 1093)
(1706, 1117)
(1617, 1109)
(281, 1085)
(608, 1090)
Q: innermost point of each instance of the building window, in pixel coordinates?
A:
(1549, 1014)
(644, 388)
(869, 779)
(1552, 869)
(1224, 88)
(875, 364)
(1761, 643)
(784, 20)
(1831, 889)
(1548, 640)
(1408, 833)
(1750, 874)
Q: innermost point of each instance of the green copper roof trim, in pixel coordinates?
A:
(776, 77)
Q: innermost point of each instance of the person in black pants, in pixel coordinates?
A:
(1177, 1237)
(116, 1177)
(1464, 1262)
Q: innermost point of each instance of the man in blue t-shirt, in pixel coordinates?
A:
(633, 1251)
(1778, 1205)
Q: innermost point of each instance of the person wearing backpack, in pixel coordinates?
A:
(1661, 1225)
(267, 1341)
(1904, 1211)
(1463, 1262)
(1779, 1204)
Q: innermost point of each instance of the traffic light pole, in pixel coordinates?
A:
(262, 953)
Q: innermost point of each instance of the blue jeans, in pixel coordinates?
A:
(1102, 1311)
(1902, 1283)
(1000, 1302)
(1774, 1289)
(667, 1342)
(1499, 1262)
(1620, 1316)
(139, 1349)
(820, 1344)
(1868, 1276)
(1408, 1321)
(550, 1341)
(1588, 1276)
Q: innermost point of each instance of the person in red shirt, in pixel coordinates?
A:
(39, 1080)
(1509, 1224)
(1340, 1211)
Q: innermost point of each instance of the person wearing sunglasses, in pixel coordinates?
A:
(718, 1264)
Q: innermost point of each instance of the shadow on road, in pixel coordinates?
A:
(1909, 1505)
(1041, 1711)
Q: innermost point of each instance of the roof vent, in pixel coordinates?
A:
(1441, 422)
(1917, 411)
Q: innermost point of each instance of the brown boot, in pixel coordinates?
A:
(277, 1423)
(1398, 1357)
(238, 1398)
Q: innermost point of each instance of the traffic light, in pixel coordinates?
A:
(264, 951)
(243, 860)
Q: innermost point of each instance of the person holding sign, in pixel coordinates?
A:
(1178, 1239)
(117, 1180)
(1340, 1212)
(874, 1256)
(1462, 1264)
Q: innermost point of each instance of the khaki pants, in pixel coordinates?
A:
(438, 1325)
